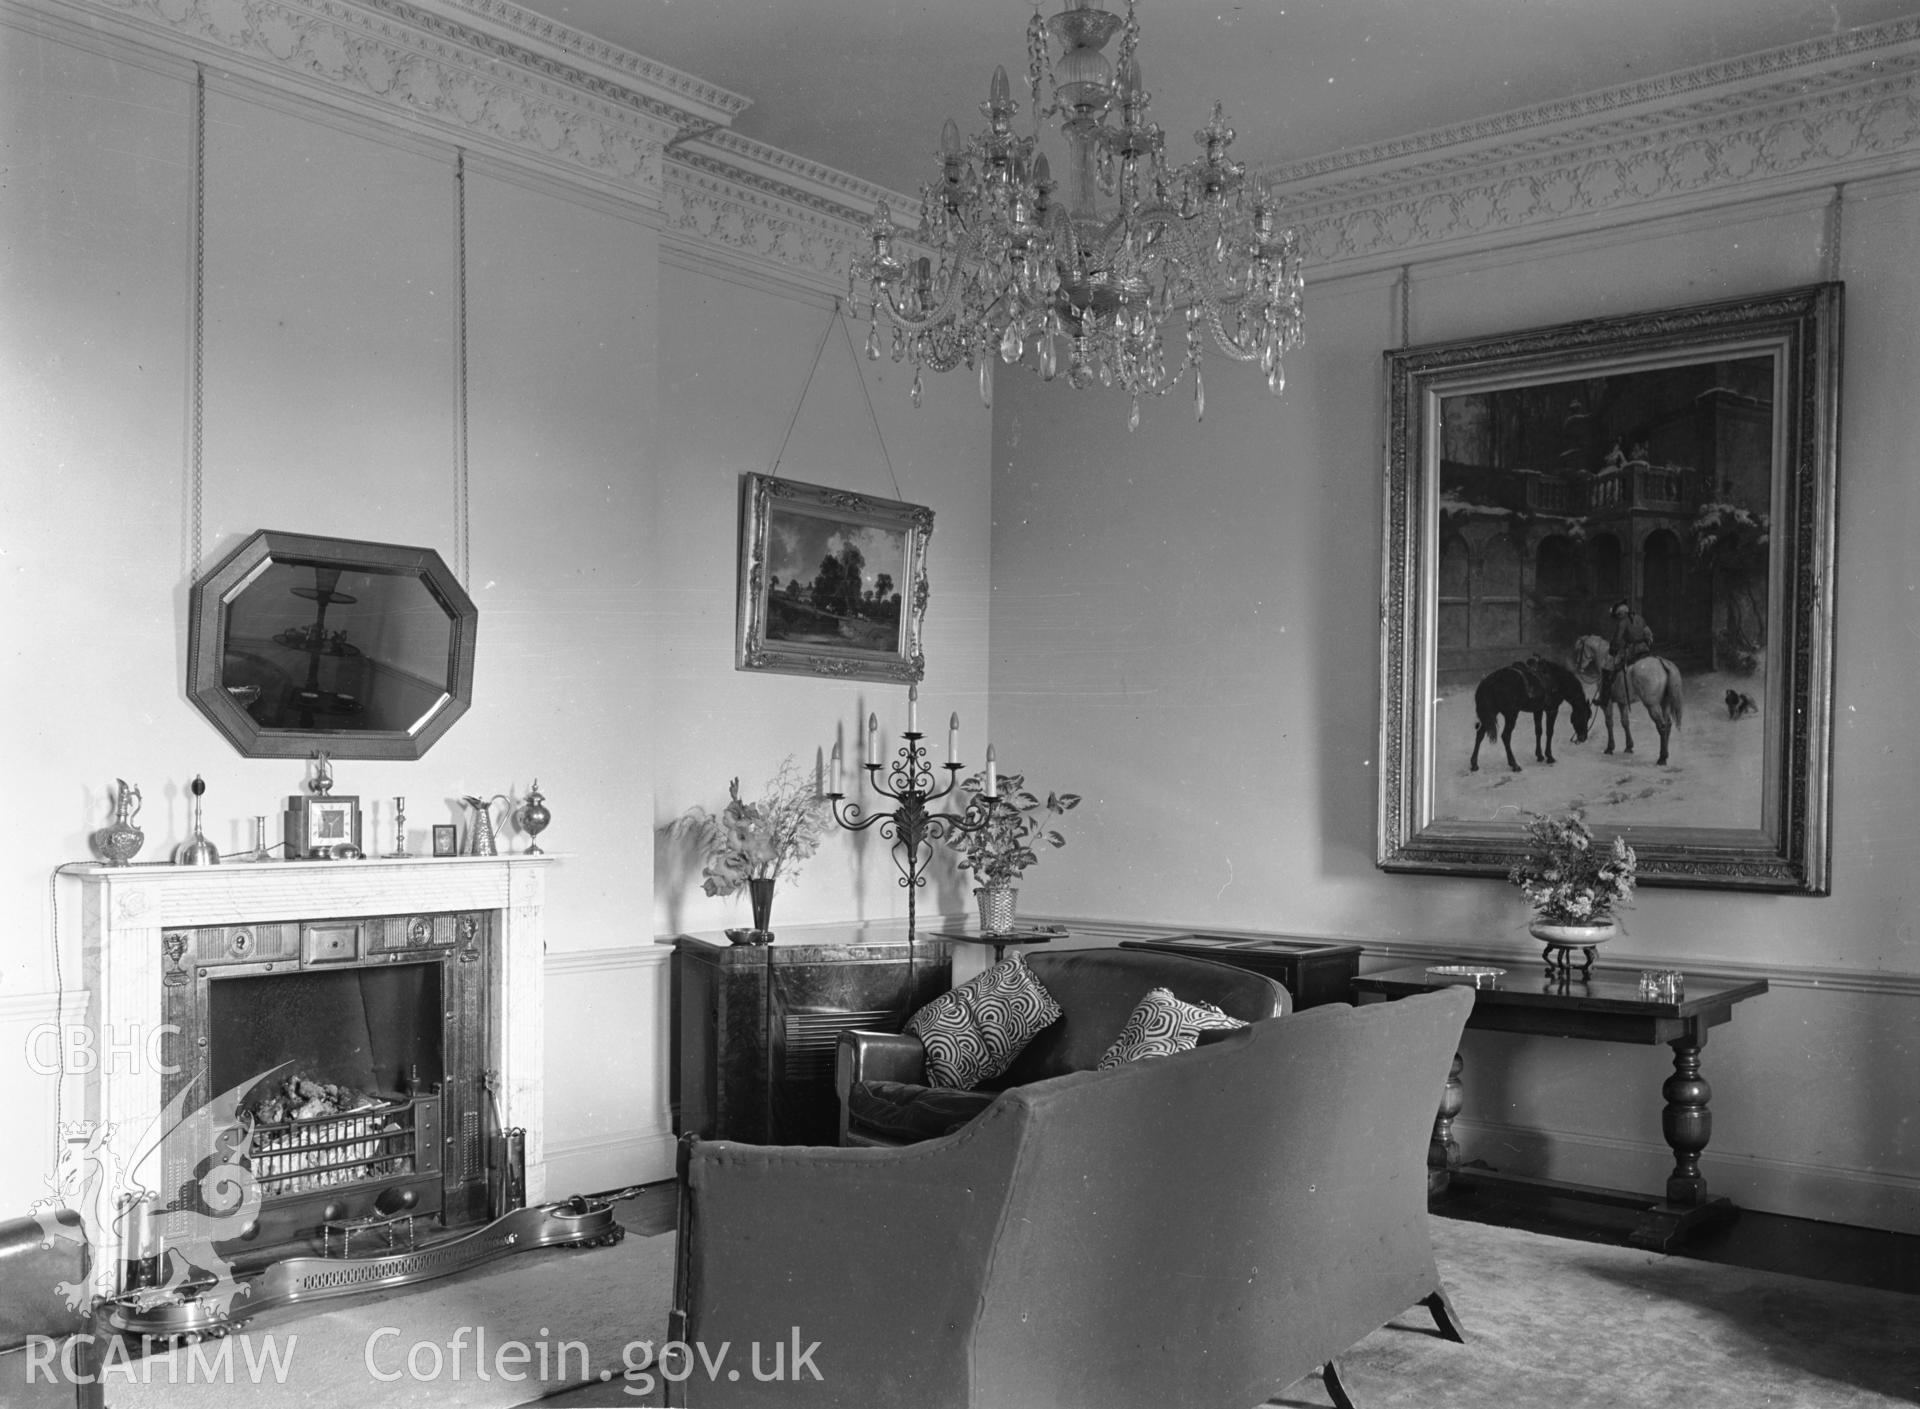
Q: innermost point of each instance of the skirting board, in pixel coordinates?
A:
(612, 1162)
(1828, 1193)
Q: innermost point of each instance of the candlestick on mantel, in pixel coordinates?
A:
(913, 709)
(953, 738)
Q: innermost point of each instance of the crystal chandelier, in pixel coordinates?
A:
(1126, 279)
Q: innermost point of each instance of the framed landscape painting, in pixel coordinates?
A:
(1674, 471)
(831, 583)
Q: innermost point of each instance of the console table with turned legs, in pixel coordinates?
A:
(1606, 1006)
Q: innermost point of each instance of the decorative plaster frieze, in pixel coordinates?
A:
(745, 219)
(1804, 116)
(406, 62)
(709, 100)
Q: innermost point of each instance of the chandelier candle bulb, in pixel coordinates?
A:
(953, 739)
(913, 709)
(837, 789)
(993, 774)
(873, 741)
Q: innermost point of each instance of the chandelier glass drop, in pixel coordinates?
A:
(1123, 278)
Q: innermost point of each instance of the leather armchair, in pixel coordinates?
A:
(1097, 989)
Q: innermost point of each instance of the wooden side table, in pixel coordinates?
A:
(1313, 971)
(1002, 940)
(1606, 1006)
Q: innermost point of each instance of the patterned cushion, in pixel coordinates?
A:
(1162, 1025)
(973, 1033)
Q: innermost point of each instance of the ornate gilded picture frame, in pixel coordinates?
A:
(1670, 473)
(831, 583)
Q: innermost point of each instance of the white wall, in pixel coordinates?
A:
(1186, 628)
(738, 357)
(612, 400)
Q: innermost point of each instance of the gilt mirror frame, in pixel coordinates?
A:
(1685, 460)
(209, 604)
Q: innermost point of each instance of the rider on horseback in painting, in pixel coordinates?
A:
(1632, 639)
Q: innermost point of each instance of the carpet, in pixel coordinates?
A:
(1576, 1325)
(1552, 1323)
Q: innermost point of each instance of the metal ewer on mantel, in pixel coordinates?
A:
(912, 783)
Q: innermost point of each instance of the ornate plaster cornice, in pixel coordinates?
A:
(1799, 117)
(487, 74)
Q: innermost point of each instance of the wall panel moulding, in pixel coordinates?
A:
(1795, 118)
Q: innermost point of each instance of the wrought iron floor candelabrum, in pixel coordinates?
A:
(911, 783)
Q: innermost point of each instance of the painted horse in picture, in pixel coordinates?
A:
(1535, 686)
(1652, 680)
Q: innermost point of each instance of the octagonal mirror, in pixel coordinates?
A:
(298, 643)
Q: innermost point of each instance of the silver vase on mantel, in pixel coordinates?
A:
(120, 840)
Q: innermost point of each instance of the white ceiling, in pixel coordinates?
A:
(863, 85)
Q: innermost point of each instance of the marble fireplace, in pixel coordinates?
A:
(419, 979)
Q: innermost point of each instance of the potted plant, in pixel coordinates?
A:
(753, 844)
(1573, 882)
(1017, 822)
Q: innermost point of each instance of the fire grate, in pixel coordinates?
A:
(300, 1156)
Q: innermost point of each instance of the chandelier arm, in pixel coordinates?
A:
(1213, 305)
(949, 298)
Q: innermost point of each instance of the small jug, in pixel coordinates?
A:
(481, 829)
(118, 841)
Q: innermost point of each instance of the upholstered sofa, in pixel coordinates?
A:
(1199, 1230)
(881, 1077)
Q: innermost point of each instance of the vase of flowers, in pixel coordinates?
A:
(1016, 823)
(750, 845)
(1573, 882)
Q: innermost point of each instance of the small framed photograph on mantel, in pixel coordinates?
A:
(317, 825)
(831, 582)
(446, 839)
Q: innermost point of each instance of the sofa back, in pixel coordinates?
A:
(1097, 990)
(1204, 1229)
(1198, 1230)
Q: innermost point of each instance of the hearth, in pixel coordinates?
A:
(349, 1062)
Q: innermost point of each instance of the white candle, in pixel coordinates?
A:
(873, 741)
(913, 709)
(836, 768)
(993, 774)
(953, 738)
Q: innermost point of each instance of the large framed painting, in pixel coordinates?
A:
(1642, 505)
(831, 583)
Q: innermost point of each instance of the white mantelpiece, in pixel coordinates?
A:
(127, 909)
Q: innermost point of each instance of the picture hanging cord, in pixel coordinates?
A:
(197, 321)
(59, 1005)
(460, 506)
(833, 317)
(1835, 208)
(1406, 305)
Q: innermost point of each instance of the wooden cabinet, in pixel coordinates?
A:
(1313, 971)
(755, 1026)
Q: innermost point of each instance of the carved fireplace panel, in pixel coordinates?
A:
(393, 1008)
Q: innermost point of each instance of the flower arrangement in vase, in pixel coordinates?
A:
(1573, 882)
(753, 844)
(999, 852)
